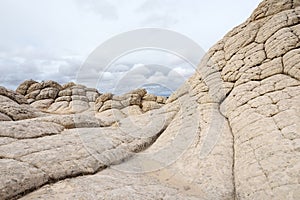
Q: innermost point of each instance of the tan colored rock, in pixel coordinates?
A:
(61, 107)
(111, 104)
(64, 98)
(23, 87)
(13, 95)
(79, 98)
(92, 95)
(72, 121)
(73, 152)
(281, 42)
(104, 97)
(33, 94)
(132, 99)
(42, 85)
(68, 85)
(16, 111)
(141, 92)
(161, 100)
(65, 92)
(149, 105)
(47, 93)
(132, 110)
(149, 97)
(109, 117)
(78, 106)
(291, 65)
(114, 180)
(34, 87)
(4, 117)
(16, 173)
(28, 129)
(78, 91)
(230, 132)
(42, 104)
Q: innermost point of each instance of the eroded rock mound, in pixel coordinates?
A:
(71, 98)
(230, 132)
(13, 106)
(112, 108)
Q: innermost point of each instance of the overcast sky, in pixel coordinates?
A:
(51, 39)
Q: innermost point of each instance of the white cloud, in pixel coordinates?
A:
(51, 39)
(103, 8)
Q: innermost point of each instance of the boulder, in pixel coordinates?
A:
(23, 87)
(68, 85)
(13, 95)
(65, 92)
(149, 97)
(33, 94)
(150, 105)
(141, 92)
(42, 104)
(104, 97)
(161, 100)
(47, 93)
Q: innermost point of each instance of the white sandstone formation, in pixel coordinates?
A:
(232, 131)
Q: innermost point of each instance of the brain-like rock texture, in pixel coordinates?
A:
(70, 98)
(232, 131)
(13, 106)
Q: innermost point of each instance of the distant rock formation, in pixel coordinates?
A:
(232, 131)
(71, 98)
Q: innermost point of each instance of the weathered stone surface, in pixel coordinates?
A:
(32, 95)
(14, 110)
(79, 151)
(150, 105)
(13, 95)
(72, 121)
(47, 93)
(65, 92)
(68, 85)
(232, 131)
(64, 98)
(149, 97)
(132, 110)
(17, 177)
(109, 117)
(104, 97)
(141, 92)
(161, 99)
(112, 183)
(4, 117)
(42, 85)
(23, 87)
(92, 95)
(28, 129)
(60, 107)
(78, 91)
(42, 104)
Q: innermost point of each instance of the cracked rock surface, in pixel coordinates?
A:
(232, 131)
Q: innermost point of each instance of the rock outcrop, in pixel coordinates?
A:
(13, 106)
(232, 131)
(51, 97)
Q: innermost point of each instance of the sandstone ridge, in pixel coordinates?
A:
(232, 131)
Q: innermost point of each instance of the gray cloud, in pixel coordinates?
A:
(104, 8)
(14, 71)
(51, 39)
